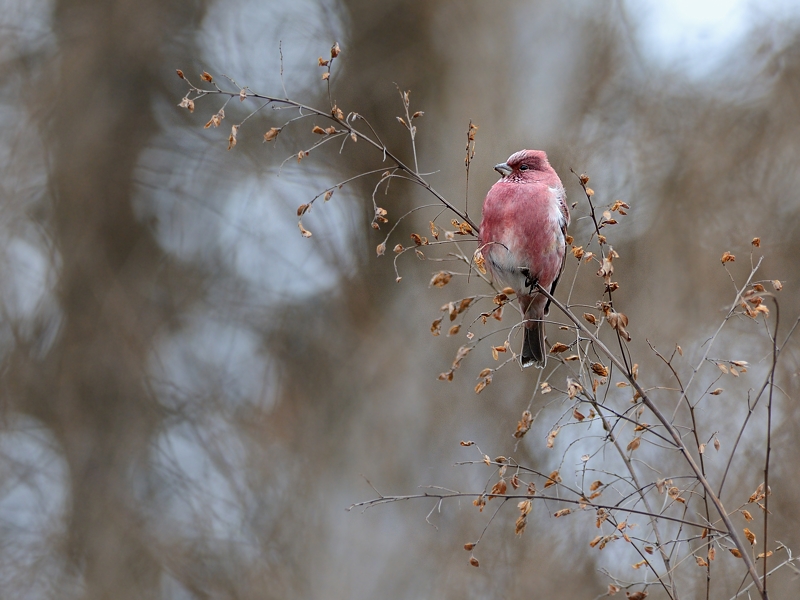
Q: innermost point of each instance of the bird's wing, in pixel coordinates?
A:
(562, 204)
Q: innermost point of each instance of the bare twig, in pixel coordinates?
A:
(678, 441)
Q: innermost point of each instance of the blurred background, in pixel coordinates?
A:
(193, 394)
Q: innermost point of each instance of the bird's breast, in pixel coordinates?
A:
(522, 227)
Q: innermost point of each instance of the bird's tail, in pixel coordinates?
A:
(533, 352)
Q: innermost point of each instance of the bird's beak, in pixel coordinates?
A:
(503, 169)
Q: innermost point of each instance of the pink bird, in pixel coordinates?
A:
(523, 239)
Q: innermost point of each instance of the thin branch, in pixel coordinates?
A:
(769, 435)
(750, 412)
(381, 499)
(731, 530)
(379, 145)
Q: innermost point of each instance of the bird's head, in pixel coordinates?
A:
(525, 165)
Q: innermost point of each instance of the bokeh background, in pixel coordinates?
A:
(193, 394)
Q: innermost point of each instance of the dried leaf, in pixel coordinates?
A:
(232, 136)
(746, 514)
(561, 513)
(318, 130)
(777, 285)
(701, 562)
(727, 257)
(498, 489)
(619, 322)
(381, 249)
(206, 77)
(215, 119)
(558, 347)
(180, 73)
(272, 134)
(474, 562)
(524, 425)
(440, 279)
(480, 262)
(751, 537)
(552, 479)
(599, 369)
(520, 524)
(464, 304)
(551, 438)
(590, 318)
(335, 50)
(735, 552)
(607, 268)
(303, 231)
(756, 242)
(525, 507)
(717, 392)
(187, 103)
(462, 352)
(634, 443)
(618, 204)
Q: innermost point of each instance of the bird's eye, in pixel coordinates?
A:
(523, 167)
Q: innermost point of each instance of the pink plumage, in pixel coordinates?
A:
(523, 239)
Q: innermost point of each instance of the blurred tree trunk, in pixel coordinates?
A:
(89, 387)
